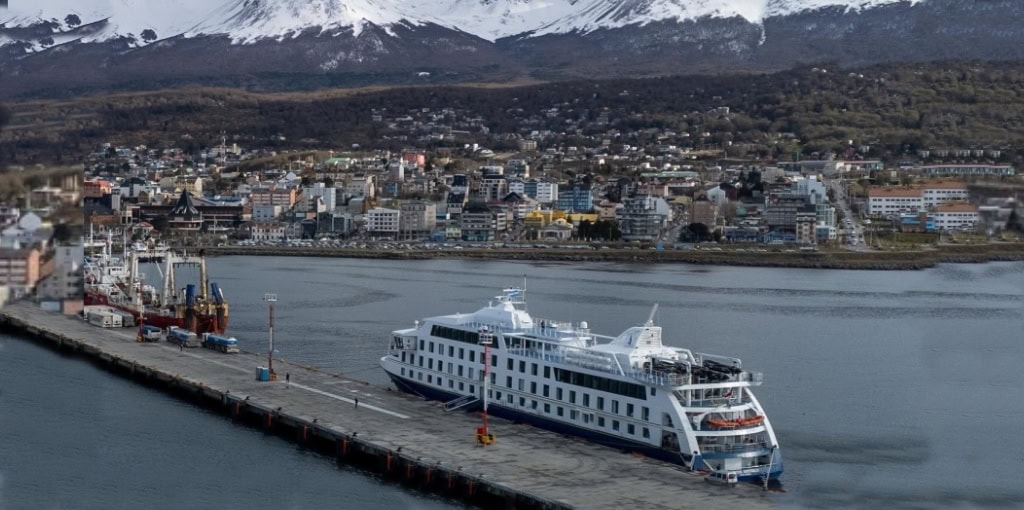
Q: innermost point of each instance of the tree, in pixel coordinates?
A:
(699, 232)
(72, 20)
(62, 232)
(148, 35)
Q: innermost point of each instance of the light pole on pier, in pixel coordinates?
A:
(270, 299)
(483, 435)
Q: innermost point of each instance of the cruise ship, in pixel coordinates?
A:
(630, 392)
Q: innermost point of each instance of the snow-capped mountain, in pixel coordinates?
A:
(331, 42)
(247, 21)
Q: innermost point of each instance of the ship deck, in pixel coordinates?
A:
(525, 468)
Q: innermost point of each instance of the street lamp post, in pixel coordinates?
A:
(270, 299)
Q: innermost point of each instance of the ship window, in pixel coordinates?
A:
(419, 375)
(630, 429)
(522, 402)
(646, 433)
(431, 349)
(547, 408)
(545, 393)
(508, 381)
(440, 382)
(470, 375)
(547, 372)
(586, 399)
(533, 388)
(493, 379)
(472, 389)
(559, 411)
(451, 351)
(472, 355)
(600, 421)
(430, 379)
(403, 357)
(462, 353)
(615, 406)
(422, 343)
(615, 425)
(558, 393)
(460, 370)
(403, 372)
(462, 386)
(645, 414)
(520, 385)
(601, 383)
(533, 369)
(574, 414)
(451, 383)
(629, 410)
(653, 391)
(494, 361)
(533, 404)
(522, 367)
(497, 395)
(600, 403)
(510, 399)
(450, 369)
(511, 364)
(572, 397)
(421, 360)
(430, 364)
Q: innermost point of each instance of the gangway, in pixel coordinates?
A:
(460, 402)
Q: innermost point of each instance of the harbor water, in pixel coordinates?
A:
(898, 389)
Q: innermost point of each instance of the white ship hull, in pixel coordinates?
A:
(629, 392)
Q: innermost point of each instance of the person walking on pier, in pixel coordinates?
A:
(181, 347)
(357, 403)
(287, 378)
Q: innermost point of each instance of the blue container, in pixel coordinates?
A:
(262, 374)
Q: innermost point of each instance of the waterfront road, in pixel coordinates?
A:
(524, 459)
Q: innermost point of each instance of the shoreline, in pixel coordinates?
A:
(875, 260)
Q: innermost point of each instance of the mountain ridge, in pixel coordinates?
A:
(256, 42)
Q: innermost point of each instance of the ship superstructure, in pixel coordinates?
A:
(630, 391)
(118, 283)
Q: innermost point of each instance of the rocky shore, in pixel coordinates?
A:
(877, 260)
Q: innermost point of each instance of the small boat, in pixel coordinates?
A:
(726, 478)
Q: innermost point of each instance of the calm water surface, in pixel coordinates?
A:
(899, 389)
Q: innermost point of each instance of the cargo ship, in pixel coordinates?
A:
(118, 283)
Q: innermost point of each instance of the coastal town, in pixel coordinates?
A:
(41, 251)
(540, 193)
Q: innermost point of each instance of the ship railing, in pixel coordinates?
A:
(659, 378)
(733, 448)
(552, 356)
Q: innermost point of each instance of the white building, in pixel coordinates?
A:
(543, 192)
(362, 186)
(938, 192)
(263, 213)
(811, 187)
(893, 201)
(382, 221)
(956, 216)
(319, 189)
(272, 231)
(66, 280)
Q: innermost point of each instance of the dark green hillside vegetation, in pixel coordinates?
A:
(885, 111)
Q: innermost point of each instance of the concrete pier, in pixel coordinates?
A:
(399, 436)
